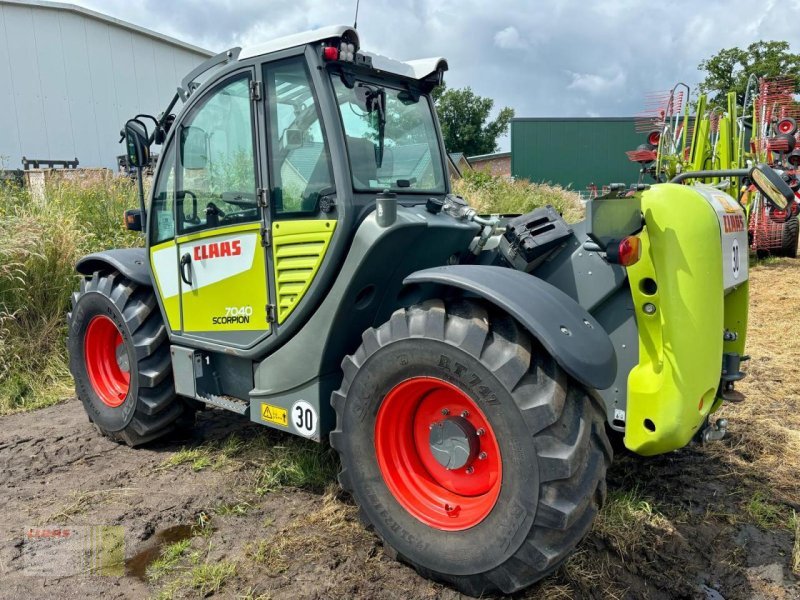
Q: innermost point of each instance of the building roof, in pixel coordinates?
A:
(571, 119)
(80, 10)
(491, 156)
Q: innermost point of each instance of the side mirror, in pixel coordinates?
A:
(133, 219)
(136, 143)
(194, 148)
(292, 139)
(774, 188)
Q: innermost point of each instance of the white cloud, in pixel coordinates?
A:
(509, 39)
(595, 84)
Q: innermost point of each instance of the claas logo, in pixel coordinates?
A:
(733, 223)
(218, 249)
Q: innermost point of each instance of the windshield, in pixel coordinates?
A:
(391, 138)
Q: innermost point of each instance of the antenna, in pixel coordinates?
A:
(355, 20)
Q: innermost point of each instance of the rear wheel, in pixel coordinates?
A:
(119, 358)
(473, 455)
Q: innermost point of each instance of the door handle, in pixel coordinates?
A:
(186, 274)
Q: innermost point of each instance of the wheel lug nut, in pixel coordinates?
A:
(464, 414)
(482, 456)
(481, 431)
(445, 411)
(470, 470)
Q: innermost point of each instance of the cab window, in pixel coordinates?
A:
(300, 165)
(216, 183)
(163, 220)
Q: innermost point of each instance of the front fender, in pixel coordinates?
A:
(577, 342)
(131, 262)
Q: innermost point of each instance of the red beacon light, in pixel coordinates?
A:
(626, 252)
(345, 52)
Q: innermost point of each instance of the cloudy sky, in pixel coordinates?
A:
(544, 59)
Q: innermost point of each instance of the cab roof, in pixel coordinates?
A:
(413, 69)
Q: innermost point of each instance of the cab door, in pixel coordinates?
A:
(221, 260)
(302, 188)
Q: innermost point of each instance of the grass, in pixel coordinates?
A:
(763, 512)
(168, 561)
(199, 581)
(310, 535)
(215, 455)
(628, 521)
(491, 194)
(236, 509)
(40, 242)
(184, 573)
(83, 501)
(278, 462)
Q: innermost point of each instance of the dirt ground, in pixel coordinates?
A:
(238, 511)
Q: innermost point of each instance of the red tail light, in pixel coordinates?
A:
(626, 252)
(330, 53)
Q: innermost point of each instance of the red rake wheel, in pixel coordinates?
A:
(438, 453)
(107, 361)
(787, 125)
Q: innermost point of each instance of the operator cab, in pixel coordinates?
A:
(277, 155)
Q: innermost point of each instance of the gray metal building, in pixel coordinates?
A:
(70, 78)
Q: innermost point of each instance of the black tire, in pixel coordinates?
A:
(150, 408)
(789, 237)
(551, 437)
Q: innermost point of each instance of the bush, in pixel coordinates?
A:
(491, 194)
(40, 242)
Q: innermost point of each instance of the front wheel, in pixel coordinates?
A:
(119, 358)
(473, 455)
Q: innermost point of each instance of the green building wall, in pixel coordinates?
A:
(575, 152)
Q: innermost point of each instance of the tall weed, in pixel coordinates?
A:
(40, 242)
(498, 195)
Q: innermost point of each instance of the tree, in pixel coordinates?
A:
(729, 69)
(463, 116)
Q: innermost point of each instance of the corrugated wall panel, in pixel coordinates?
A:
(9, 127)
(25, 81)
(80, 92)
(574, 152)
(53, 86)
(69, 82)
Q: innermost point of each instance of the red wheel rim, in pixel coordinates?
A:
(447, 499)
(102, 345)
(785, 126)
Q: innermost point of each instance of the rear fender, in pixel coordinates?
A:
(577, 342)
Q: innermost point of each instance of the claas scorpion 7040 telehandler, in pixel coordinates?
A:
(307, 267)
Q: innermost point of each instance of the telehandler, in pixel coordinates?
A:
(307, 267)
